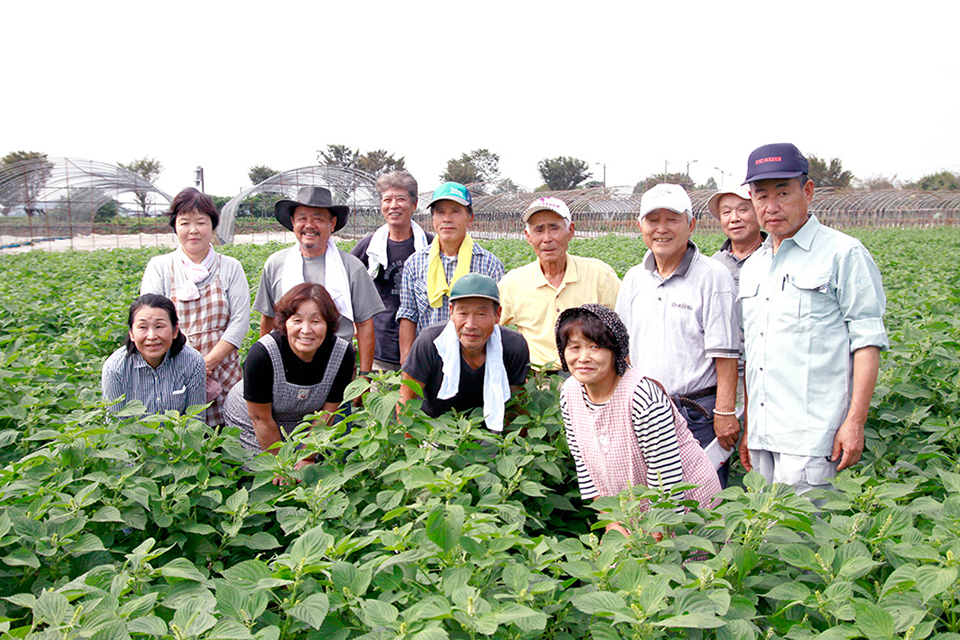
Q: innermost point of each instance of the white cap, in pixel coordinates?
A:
(713, 204)
(556, 205)
(666, 196)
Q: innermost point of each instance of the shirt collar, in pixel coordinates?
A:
(650, 262)
(804, 236)
(570, 274)
(140, 363)
(727, 245)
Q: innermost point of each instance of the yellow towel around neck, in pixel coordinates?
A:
(437, 285)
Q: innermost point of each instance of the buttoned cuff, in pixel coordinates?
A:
(868, 332)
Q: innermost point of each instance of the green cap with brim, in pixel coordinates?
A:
(452, 191)
(475, 285)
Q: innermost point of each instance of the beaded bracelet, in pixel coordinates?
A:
(724, 413)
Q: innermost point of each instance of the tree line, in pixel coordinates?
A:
(478, 166)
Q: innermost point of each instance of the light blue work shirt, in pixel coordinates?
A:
(804, 312)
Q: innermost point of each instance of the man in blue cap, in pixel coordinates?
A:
(812, 306)
(468, 362)
(430, 272)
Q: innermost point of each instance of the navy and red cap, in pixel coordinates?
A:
(778, 160)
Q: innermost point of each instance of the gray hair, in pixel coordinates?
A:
(398, 179)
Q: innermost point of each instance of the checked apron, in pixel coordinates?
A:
(203, 322)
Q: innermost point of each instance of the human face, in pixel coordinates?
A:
(195, 232)
(451, 221)
(549, 234)
(474, 320)
(666, 233)
(306, 330)
(781, 205)
(738, 218)
(397, 208)
(153, 334)
(588, 362)
(312, 227)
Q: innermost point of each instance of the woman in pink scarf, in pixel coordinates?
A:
(210, 292)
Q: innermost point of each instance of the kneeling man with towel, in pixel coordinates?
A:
(468, 362)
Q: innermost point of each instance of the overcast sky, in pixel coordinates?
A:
(227, 85)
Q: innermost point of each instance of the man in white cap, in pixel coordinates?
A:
(534, 295)
(679, 308)
(313, 218)
(738, 221)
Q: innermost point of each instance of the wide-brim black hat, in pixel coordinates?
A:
(317, 197)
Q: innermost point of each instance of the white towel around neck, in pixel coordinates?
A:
(496, 387)
(334, 276)
(377, 249)
(185, 278)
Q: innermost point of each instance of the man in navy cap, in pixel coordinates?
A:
(812, 306)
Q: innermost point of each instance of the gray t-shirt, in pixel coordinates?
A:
(366, 300)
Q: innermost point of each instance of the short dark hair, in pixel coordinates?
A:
(192, 200)
(287, 305)
(156, 301)
(803, 178)
(593, 329)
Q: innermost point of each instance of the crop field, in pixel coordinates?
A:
(152, 527)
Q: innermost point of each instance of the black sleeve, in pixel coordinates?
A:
(422, 359)
(360, 250)
(344, 376)
(516, 357)
(258, 376)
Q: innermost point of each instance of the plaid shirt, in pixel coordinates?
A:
(178, 382)
(414, 304)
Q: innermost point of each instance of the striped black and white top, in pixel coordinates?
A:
(178, 382)
(651, 417)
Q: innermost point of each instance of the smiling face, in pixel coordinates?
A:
(738, 218)
(195, 232)
(474, 320)
(153, 334)
(312, 227)
(666, 233)
(781, 205)
(588, 362)
(397, 208)
(306, 330)
(451, 221)
(549, 234)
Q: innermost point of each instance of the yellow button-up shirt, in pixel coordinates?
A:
(532, 304)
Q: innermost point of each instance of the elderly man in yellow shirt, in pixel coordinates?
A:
(534, 295)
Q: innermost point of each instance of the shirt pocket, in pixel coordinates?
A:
(813, 298)
(747, 301)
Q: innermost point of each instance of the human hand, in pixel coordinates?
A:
(727, 430)
(744, 450)
(616, 526)
(211, 362)
(849, 442)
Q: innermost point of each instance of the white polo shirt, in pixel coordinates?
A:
(679, 325)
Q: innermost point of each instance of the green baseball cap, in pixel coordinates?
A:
(452, 191)
(475, 285)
